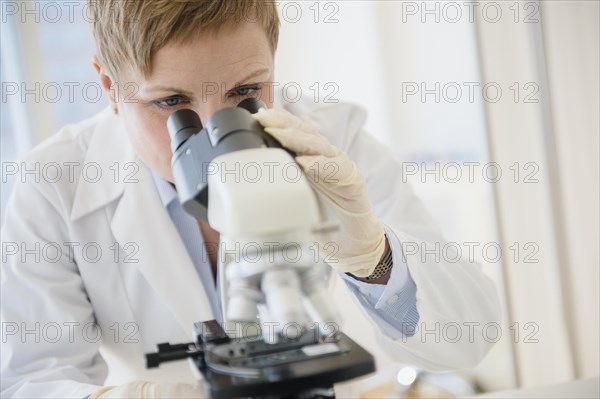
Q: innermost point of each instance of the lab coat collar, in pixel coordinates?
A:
(110, 152)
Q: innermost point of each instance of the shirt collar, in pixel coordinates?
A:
(166, 192)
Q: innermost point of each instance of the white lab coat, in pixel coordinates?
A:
(149, 292)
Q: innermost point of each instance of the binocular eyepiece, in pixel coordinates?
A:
(184, 123)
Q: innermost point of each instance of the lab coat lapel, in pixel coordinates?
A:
(108, 154)
(162, 257)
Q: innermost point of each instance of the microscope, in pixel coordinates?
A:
(279, 337)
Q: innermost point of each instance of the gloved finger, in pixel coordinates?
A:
(339, 180)
(302, 143)
(333, 171)
(280, 118)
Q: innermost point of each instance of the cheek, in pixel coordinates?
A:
(150, 139)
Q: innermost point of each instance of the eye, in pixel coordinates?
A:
(243, 91)
(170, 102)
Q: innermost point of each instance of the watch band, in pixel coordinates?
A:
(383, 267)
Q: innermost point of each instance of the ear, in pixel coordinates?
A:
(106, 82)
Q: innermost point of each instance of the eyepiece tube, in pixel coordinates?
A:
(182, 125)
(252, 105)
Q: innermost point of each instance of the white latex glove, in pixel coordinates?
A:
(148, 390)
(342, 191)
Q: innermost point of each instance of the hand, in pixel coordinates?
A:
(144, 389)
(342, 189)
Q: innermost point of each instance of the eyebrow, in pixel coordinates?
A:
(167, 88)
(251, 75)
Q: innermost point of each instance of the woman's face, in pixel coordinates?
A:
(206, 74)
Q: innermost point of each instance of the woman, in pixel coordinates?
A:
(134, 270)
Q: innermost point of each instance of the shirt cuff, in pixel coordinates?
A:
(395, 302)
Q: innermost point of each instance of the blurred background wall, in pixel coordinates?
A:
(492, 107)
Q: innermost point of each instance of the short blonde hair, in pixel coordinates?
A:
(130, 32)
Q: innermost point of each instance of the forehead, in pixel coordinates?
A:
(215, 57)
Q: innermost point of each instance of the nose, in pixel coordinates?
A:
(207, 110)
